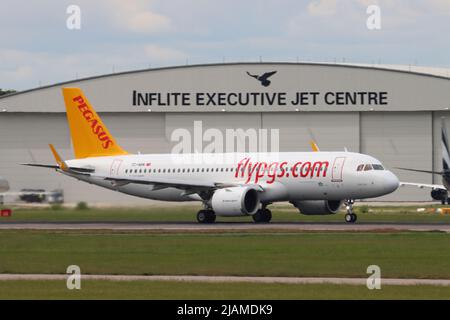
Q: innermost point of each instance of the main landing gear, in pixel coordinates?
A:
(262, 216)
(206, 216)
(350, 217)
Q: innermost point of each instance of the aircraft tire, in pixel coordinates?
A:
(211, 216)
(262, 216)
(350, 218)
(267, 215)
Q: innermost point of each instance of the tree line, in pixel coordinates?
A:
(3, 92)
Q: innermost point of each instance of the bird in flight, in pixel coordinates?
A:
(264, 79)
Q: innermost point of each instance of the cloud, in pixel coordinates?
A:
(161, 54)
(322, 7)
(134, 34)
(137, 16)
(440, 6)
(23, 69)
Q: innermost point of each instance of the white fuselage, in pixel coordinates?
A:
(284, 176)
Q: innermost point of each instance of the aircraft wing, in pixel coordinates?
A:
(423, 185)
(417, 170)
(189, 186)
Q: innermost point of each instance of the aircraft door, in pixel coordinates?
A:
(115, 166)
(338, 166)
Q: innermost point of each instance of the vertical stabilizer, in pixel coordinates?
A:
(90, 136)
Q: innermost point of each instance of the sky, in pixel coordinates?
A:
(38, 49)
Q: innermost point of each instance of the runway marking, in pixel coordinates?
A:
(230, 279)
(224, 227)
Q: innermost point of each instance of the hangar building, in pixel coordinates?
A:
(389, 112)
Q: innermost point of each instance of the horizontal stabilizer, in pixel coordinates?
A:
(50, 166)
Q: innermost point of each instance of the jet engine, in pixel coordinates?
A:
(439, 194)
(235, 201)
(318, 207)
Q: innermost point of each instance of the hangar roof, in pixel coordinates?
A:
(297, 87)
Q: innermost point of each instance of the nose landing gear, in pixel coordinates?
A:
(350, 217)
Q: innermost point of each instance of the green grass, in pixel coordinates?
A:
(93, 289)
(403, 255)
(281, 213)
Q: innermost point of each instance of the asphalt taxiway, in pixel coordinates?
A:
(227, 226)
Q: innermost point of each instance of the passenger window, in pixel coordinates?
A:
(367, 167)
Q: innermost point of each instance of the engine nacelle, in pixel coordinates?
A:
(439, 194)
(318, 207)
(235, 201)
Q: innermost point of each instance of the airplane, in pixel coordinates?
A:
(438, 191)
(240, 184)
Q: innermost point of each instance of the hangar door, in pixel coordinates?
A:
(400, 139)
(333, 131)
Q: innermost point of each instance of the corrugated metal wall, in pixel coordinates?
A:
(400, 139)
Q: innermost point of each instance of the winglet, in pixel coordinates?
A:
(58, 159)
(314, 146)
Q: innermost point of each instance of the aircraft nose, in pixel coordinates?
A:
(390, 182)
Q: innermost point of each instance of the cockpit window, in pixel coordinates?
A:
(367, 167)
(377, 167)
(360, 167)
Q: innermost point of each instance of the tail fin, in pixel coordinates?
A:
(90, 137)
